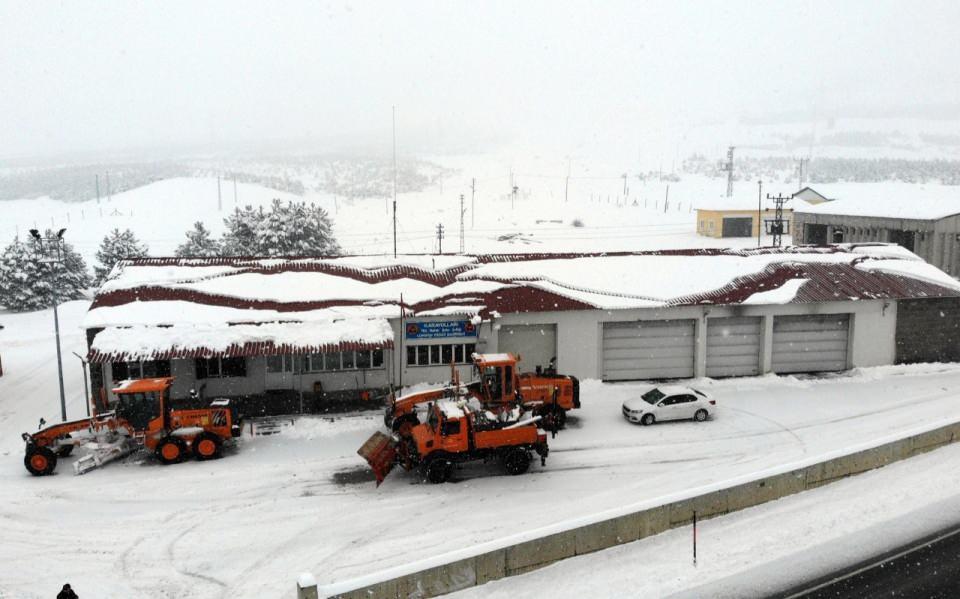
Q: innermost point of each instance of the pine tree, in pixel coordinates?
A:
(22, 285)
(27, 283)
(296, 229)
(115, 247)
(240, 238)
(199, 243)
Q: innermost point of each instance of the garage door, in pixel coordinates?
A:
(738, 227)
(733, 346)
(652, 349)
(810, 343)
(535, 344)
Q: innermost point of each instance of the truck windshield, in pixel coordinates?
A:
(652, 396)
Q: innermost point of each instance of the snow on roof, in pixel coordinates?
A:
(236, 305)
(888, 200)
(153, 343)
(747, 201)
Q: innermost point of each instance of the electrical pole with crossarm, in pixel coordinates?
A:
(776, 228)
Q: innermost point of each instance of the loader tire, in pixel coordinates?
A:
(65, 450)
(171, 450)
(206, 446)
(516, 461)
(40, 461)
(437, 470)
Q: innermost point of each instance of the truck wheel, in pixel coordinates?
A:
(402, 425)
(171, 450)
(647, 419)
(65, 450)
(40, 461)
(517, 461)
(206, 446)
(438, 470)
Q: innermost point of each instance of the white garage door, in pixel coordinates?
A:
(536, 344)
(810, 343)
(733, 346)
(651, 349)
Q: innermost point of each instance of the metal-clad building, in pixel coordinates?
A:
(321, 334)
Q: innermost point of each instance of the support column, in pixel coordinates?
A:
(766, 344)
(700, 346)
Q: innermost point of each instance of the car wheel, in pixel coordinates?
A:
(647, 419)
(700, 415)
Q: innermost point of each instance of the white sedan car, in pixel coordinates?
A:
(669, 402)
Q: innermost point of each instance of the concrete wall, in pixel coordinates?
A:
(539, 552)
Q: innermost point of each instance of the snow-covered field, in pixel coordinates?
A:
(596, 217)
(247, 525)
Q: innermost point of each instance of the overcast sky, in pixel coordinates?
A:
(110, 75)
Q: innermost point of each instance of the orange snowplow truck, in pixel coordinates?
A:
(497, 385)
(456, 433)
(142, 418)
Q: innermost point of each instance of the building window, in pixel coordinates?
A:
(327, 362)
(215, 368)
(148, 369)
(440, 354)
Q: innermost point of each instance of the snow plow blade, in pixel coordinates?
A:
(380, 451)
(103, 454)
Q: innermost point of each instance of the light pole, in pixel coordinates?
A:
(86, 393)
(50, 251)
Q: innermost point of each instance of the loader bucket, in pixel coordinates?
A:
(380, 451)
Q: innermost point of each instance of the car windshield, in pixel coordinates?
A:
(652, 396)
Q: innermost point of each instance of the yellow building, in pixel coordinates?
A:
(738, 217)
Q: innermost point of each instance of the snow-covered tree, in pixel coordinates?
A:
(199, 243)
(116, 246)
(240, 238)
(296, 229)
(287, 229)
(28, 284)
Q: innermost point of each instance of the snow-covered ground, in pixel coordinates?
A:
(766, 549)
(247, 525)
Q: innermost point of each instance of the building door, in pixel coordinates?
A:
(810, 343)
(815, 234)
(738, 226)
(648, 349)
(535, 344)
(733, 346)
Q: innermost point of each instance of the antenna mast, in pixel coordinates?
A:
(393, 114)
(728, 166)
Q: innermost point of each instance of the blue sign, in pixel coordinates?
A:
(441, 330)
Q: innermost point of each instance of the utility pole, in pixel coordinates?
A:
(96, 179)
(624, 185)
(473, 190)
(759, 211)
(777, 226)
(728, 167)
(109, 193)
(800, 173)
(440, 238)
(50, 251)
(462, 212)
(234, 189)
(566, 185)
(393, 113)
(219, 196)
(513, 189)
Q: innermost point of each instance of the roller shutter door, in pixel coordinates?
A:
(652, 349)
(535, 344)
(814, 343)
(733, 346)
